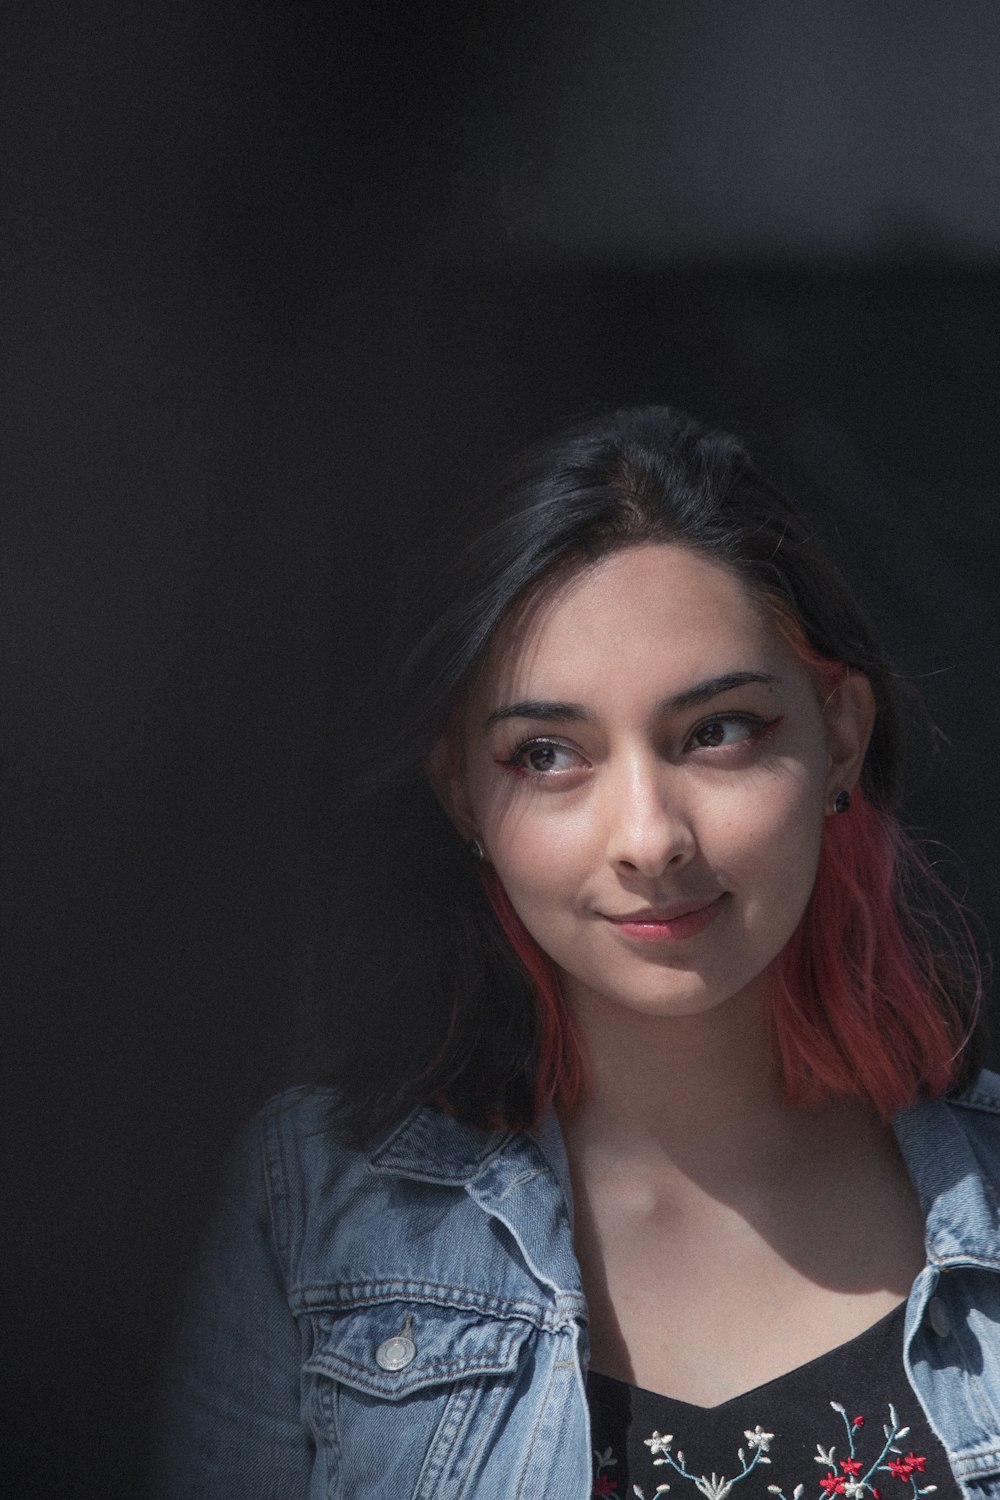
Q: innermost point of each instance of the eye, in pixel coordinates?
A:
(543, 758)
(730, 729)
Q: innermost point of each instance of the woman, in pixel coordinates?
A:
(605, 1197)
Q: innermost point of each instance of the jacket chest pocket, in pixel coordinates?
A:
(406, 1398)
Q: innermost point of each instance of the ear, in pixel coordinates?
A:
(445, 769)
(850, 718)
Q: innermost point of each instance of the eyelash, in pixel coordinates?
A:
(760, 730)
(515, 761)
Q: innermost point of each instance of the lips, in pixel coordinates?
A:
(668, 923)
(667, 913)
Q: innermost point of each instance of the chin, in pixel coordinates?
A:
(688, 1000)
(684, 994)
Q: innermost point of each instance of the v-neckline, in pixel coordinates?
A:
(873, 1330)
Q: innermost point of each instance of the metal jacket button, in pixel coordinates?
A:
(397, 1352)
(937, 1317)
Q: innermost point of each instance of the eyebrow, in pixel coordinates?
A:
(702, 692)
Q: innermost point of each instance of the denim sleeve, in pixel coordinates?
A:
(231, 1424)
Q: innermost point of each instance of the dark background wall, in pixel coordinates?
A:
(280, 279)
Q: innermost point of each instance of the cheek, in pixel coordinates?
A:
(780, 847)
(772, 825)
(541, 856)
(546, 856)
(531, 835)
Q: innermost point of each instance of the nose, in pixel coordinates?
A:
(650, 827)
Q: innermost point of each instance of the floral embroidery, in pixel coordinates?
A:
(759, 1439)
(852, 1476)
(657, 1444)
(718, 1486)
(855, 1478)
(604, 1485)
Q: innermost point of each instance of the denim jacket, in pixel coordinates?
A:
(411, 1324)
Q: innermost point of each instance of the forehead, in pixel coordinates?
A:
(656, 604)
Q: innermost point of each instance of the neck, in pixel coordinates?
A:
(681, 1087)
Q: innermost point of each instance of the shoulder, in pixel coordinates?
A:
(296, 1136)
(976, 1114)
(981, 1098)
(955, 1123)
(951, 1147)
(972, 1114)
(339, 1214)
(307, 1170)
(301, 1146)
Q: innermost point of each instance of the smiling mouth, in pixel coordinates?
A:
(667, 923)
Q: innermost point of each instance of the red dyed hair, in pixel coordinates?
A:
(864, 1001)
(861, 1005)
(558, 1061)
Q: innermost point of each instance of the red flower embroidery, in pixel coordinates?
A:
(852, 1466)
(917, 1461)
(876, 1493)
(859, 1421)
(604, 1485)
(898, 1468)
(833, 1484)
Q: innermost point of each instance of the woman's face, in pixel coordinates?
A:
(648, 767)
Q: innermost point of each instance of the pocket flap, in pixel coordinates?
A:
(428, 1344)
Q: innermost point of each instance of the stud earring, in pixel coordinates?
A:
(842, 801)
(476, 850)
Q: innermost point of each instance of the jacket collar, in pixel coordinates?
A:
(433, 1147)
(959, 1190)
(509, 1175)
(958, 1185)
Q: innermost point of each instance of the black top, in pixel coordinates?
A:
(845, 1424)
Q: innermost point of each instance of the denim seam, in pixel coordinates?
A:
(966, 1262)
(977, 1099)
(450, 1430)
(277, 1186)
(306, 1300)
(977, 1465)
(336, 1369)
(528, 1469)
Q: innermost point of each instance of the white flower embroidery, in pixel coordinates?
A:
(657, 1444)
(716, 1488)
(855, 1483)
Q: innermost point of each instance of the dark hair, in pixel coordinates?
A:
(445, 1000)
